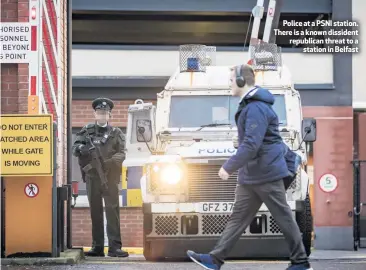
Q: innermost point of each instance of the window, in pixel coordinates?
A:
(76, 174)
(279, 107)
(202, 110)
(194, 111)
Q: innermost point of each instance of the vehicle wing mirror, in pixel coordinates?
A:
(144, 130)
(308, 128)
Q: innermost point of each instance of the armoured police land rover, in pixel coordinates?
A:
(181, 144)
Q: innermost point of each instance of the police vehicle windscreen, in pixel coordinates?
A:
(195, 111)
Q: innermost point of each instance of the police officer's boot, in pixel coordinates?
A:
(117, 253)
(95, 252)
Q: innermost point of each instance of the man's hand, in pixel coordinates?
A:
(223, 174)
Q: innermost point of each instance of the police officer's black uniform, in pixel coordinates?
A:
(111, 144)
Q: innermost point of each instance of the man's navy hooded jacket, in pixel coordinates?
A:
(260, 157)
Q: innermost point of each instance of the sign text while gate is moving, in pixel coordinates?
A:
(26, 145)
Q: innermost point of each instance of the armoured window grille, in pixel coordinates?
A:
(195, 58)
(265, 56)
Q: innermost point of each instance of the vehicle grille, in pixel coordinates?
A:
(214, 224)
(172, 225)
(204, 184)
(166, 225)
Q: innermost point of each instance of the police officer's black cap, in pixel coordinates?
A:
(103, 104)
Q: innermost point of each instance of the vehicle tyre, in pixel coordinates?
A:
(304, 220)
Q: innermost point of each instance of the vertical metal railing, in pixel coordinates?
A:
(2, 218)
(357, 203)
(55, 250)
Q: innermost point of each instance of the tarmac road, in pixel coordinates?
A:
(113, 264)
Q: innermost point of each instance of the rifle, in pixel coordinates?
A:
(97, 162)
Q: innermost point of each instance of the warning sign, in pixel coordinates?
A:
(31, 190)
(328, 183)
(26, 144)
(15, 38)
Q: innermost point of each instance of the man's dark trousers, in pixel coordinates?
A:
(248, 200)
(111, 200)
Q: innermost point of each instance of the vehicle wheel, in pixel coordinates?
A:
(305, 222)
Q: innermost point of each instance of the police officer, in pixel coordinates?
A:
(110, 141)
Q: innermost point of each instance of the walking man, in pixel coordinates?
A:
(262, 167)
(110, 141)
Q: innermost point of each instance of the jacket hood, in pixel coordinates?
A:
(260, 94)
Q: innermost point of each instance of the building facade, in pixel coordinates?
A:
(127, 50)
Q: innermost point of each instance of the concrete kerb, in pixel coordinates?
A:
(339, 255)
(68, 257)
(136, 254)
(76, 255)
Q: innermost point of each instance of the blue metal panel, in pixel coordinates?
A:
(134, 175)
(290, 6)
(124, 197)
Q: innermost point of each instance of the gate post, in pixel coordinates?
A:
(356, 204)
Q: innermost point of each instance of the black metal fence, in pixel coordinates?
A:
(359, 203)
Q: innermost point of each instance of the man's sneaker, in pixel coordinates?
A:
(305, 266)
(204, 260)
(95, 252)
(118, 253)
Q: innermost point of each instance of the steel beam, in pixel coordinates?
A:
(234, 6)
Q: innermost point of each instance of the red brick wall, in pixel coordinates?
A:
(82, 112)
(14, 88)
(361, 124)
(333, 152)
(131, 227)
(14, 77)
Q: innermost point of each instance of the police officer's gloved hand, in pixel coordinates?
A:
(114, 160)
(109, 163)
(83, 150)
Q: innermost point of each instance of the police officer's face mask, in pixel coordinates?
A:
(102, 116)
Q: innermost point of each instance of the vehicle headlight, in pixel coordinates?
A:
(170, 173)
(166, 178)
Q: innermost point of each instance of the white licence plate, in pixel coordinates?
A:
(216, 207)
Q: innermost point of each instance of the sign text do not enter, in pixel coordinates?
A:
(26, 145)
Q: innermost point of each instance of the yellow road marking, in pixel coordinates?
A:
(131, 250)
